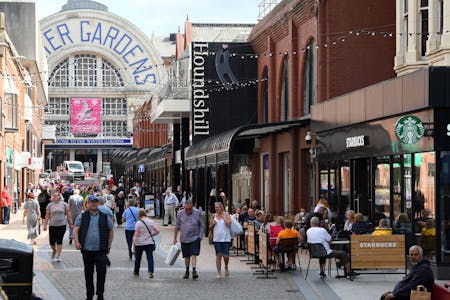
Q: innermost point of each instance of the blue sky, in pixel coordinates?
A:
(164, 16)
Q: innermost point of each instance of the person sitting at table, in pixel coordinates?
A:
(300, 217)
(251, 216)
(403, 224)
(318, 235)
(420, 274)
(383, 228)
(360, 226)
(268, 221)
(350, 216)
(429, 229)
(324, 203)
(243, 215)
(289, 233)
(425, 215)
(273, 235)
(259, 220)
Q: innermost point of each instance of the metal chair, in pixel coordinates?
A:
(318, 251)
(287, 246)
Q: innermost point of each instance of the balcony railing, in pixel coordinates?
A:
(265, 7)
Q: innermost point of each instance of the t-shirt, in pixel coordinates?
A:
(76, 205)
(143, 236)
(130, 215)
(31, 206)
(318, 235)
(92, 240)
(288, 234)
(57, 213)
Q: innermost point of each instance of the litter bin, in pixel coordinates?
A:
(16, 269)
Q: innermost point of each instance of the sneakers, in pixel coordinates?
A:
(194, 274)
(227, 273)
(322, 274)
(136, 273)
(218, 275)
(58, 258)
(53, 256)
(150, 275)
(70, 241)
(186, 275)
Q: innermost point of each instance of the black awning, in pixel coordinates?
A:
(217, 148)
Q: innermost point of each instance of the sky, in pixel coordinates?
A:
(165, 16)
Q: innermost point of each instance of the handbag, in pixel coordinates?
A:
(420, 293)
(236, 228)
(211, 236)
(173, 253)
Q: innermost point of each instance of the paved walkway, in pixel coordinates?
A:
(65, 280)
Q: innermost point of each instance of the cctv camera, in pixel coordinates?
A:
(308, 138)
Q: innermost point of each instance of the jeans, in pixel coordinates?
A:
(95, 259)
(149, 252)
(129, 235)
(6, 212)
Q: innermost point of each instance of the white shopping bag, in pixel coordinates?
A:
(172, 256)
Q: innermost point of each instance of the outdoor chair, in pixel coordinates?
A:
(287, 246)
(318, 251)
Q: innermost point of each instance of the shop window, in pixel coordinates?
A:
(424, 183)
(444, 207)
(382, 190)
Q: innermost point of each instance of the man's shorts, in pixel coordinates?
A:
(190, 249)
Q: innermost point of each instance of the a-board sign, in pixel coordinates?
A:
(149, 205)
(263, 248)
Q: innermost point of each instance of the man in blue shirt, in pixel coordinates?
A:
(93, 234)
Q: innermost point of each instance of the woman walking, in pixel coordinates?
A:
(144, 231)
(32, 213)
(56, 217)
(130, 216)
(220, 223)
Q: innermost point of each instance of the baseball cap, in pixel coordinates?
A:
(92, 198)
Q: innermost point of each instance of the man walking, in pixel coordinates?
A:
(191, 226)
(170, 202)
(93, 234)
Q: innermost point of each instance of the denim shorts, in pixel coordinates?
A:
(222, 248)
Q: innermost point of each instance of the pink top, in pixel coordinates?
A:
(143, 236)
(274, 230)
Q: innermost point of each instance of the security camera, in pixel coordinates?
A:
(308, 138)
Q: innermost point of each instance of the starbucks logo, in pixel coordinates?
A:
(409, 129)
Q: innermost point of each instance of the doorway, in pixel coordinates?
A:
(361, 185)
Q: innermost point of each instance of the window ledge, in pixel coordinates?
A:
(11, 130)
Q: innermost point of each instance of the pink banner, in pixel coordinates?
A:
(86, 115)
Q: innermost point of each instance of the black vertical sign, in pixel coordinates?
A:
(224, 87)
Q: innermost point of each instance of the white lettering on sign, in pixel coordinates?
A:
(448, 129)
(200, 96)
(377, 244)
(355, 141)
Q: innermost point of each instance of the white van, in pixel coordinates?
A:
(75, 168)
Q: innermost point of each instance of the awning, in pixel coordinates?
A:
(157, 159)
(216, 149)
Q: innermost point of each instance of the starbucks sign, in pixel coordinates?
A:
(409, 129)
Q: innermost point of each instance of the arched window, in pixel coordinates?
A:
(265, 97)
(110, 75)
(85, 68)
(284, 99)
(60, 75)
(309, 78)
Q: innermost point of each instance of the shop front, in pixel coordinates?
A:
(396, 167)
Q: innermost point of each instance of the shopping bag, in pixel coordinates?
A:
(38, 227)
(172, 256)
(236, 228)
(211, 236)
(420, 293)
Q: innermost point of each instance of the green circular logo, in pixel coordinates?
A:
(409, 129)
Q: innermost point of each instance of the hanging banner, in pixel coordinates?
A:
(86, 116)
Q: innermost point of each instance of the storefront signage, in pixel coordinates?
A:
(409, 129)
(94, 33)
(92, 141)
(377, 245)
(356, 141)
(200, 96)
